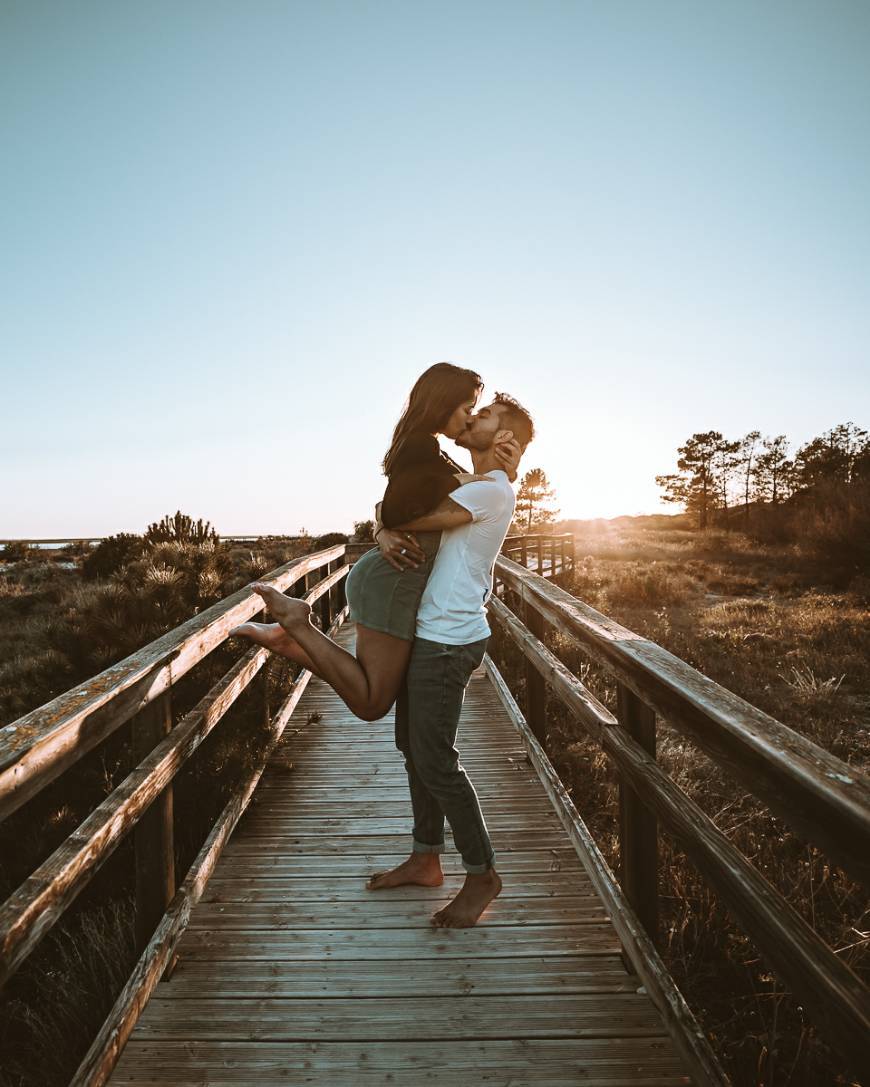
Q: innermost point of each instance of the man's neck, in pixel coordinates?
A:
(485, 460)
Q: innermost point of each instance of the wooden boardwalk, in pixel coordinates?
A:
(292, 972)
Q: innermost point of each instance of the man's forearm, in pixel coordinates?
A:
(447, 514)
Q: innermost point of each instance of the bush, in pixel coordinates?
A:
(180, 529)
(112, 554)
(329, 540)
(17, 551)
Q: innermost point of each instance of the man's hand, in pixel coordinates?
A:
(507, 451)
(400, 549)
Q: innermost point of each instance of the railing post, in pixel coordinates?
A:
(153, 843)
(325, 601)
(638, 826)
(524, 554)
(563, 554)
(536, 688)
(540, 548)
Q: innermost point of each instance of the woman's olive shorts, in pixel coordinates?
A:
(385, 599)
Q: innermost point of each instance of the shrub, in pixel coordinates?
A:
(180, 529)
(112, 554)
(17, 551)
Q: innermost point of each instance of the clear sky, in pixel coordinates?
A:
(233, 234)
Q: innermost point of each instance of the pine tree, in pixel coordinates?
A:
(534, 500)
(694, 485)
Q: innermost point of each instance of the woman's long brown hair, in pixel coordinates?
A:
(437, 393)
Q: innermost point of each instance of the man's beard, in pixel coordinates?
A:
(466, 440)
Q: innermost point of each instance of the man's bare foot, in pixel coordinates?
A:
(271, 635)
(287, 610)
(476, 894)
(421, 868)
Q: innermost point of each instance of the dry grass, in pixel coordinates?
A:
(762, 624)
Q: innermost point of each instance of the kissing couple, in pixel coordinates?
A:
(419, 603)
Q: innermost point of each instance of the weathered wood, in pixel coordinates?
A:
(826, 800)
(153, 837)
(638, 830)
(39, 746)
(827, 987)
(562, 1015)
(684, 1028)
(286, 948)
(103, 1052)
(365, 978)
(536, 689)
(40, 901)
(554, 1062)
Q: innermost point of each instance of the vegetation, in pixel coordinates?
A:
(776, 626)
(819, 499)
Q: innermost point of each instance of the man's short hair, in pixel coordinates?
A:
(515, 417)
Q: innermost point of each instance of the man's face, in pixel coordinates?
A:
(482, 429)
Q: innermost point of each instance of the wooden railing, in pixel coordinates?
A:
(38, 747)
(552, 554)
(825, 800)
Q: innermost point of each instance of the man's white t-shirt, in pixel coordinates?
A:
(453, 606)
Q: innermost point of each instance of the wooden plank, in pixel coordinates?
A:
(249, 863)
(424, 942)
(378, 1019)
(280, 820)
(632, 1062)
(334, 888)
(381, 910)
(362, 978)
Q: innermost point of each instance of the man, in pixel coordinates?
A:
(451, 638)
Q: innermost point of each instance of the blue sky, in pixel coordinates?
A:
(234, 234)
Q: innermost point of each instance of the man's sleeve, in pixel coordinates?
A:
(484, 501)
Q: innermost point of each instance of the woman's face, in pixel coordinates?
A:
(461, 417)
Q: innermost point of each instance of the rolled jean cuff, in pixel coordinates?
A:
(479, 869)
(422, 847)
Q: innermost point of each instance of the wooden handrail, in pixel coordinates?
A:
(39, 746)
(832, 992)
(824, 799)
(44, 896)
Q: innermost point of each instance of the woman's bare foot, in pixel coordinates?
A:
(477, 892)
(287, 610)
(421, 868)
(271, 635)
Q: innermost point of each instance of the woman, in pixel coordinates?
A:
(382, 594)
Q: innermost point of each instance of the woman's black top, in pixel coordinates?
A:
(421, 477)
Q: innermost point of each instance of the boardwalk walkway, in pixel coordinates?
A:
(292, 972)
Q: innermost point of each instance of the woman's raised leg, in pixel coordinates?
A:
(274, 637)
(369, 682)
